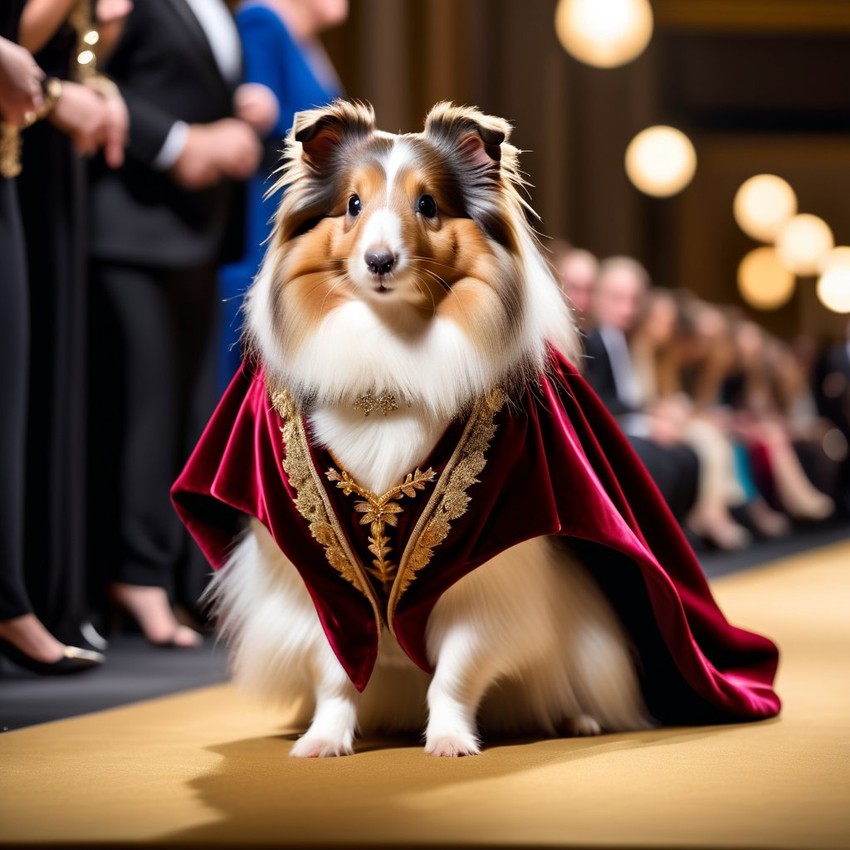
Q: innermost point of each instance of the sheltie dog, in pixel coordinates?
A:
(403, 278)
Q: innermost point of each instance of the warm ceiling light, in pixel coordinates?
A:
(604, 33)
(834, 283)
(801, 243)
(762, 205)
(661, 161)
(764, 283)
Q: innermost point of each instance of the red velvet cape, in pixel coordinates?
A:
(556, 464)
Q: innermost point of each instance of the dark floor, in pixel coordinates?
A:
(808, 536)
(135, 670)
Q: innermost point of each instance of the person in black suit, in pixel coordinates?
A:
(160, 226)
(609, 370)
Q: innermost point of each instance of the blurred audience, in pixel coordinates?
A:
(161, 224)
(286, 70)
(742, 432)
(751, 390)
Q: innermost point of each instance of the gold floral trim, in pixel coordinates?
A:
(379, 512)
(449, 500)
(310, 498)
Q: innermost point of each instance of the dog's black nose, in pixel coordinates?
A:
(380, 262)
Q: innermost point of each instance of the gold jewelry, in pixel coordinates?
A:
(383, 401)
(10, 151)
(52, 92)
(88, 37)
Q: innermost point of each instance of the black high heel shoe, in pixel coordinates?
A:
(74, 660)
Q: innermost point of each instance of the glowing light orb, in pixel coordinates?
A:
(833, 287)
(661, 161)
(762, 205)
(604, 33)
(802, 241)
(764, 283)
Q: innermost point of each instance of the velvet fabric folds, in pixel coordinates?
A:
(556, 464)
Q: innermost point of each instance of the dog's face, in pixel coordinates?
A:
(399, 222)
(402, 262)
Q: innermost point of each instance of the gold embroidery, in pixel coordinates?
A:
(384, 401)
(310, 498)
(449, 500)
(379, 512)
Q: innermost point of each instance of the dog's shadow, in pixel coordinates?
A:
(381, 793)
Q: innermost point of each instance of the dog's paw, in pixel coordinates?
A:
(583, 726)
(310, 747)
(452, 746)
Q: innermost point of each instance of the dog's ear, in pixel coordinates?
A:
(475, 136)
(322, 132)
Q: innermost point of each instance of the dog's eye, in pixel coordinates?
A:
(354, 205)
(427, 206)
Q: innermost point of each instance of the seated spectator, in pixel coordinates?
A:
(576, 270)
(832, 395)
(750, 391)
(618, 295)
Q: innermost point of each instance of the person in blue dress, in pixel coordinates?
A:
(286, 70)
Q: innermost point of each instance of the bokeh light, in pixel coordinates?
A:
(802, 242)
(833, 287)
(763, 281)
(661, 161)
(604, 33)
(762, 205)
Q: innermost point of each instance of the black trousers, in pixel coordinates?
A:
(51, 191)
(675, 471)
(152, 389)
(14, 325)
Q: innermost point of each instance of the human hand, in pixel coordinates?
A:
(239, 148)
(212, 152)
(20, 83)
(83, 115)
(256, 104)
(117, 127)
(108, 11)
(663, 431)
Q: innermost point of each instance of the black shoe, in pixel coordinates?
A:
(75, 660)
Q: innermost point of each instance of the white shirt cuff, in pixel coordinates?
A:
(172, 147)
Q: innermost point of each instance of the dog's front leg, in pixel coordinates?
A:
(332, 729)
(461, 677)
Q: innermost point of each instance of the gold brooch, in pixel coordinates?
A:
(384, 401)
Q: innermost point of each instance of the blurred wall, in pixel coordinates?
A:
(759, 85)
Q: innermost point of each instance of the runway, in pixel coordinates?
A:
(209, 768)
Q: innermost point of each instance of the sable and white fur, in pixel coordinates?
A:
(407, 264)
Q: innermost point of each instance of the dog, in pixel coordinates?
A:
(403, 283)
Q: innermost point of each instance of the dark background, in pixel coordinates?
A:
(758, 85)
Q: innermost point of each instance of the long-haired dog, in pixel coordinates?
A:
(403, 279)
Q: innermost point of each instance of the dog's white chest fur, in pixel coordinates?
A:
(376, 450)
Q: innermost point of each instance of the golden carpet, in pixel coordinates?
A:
(208, 768)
